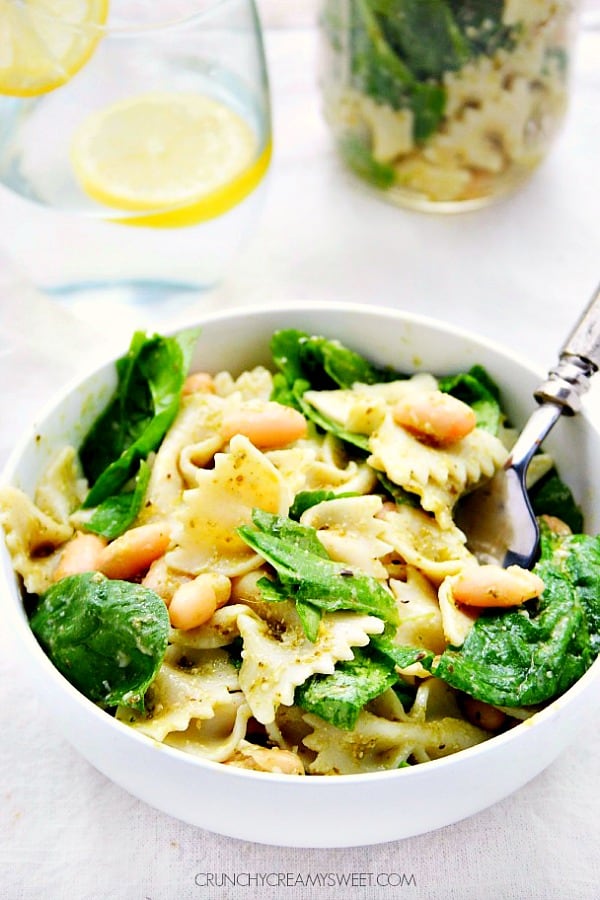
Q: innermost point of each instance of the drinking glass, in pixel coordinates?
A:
(134, 140)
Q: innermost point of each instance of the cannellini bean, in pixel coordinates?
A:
(134, 551)
(157, 579)
(195, 602)
(80, 554)
(493, 586)
(198, 381)
(556, 525)
(435, 416)
(482, 714)
(273, 426)
(266, 759)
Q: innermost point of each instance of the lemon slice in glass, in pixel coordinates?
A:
(43, 43)
(176, 158)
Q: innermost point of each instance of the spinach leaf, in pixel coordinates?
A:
(577, 558)
(360, 442)
(425, 34)
(398, 655)
(310, 362)
(356, 152)
(150, 377)
(398, 494)
(322, 363)
(108, 638)
(530, 655)
(306, 499)
(550, 496)
(306, 571)
(310, 616)
(338, 698)
(116, 514)
(378, 71)
(482, 25)
(479, 391)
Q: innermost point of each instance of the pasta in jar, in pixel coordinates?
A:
(445, 104)
(275, 578)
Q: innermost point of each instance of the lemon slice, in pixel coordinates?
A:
(43, 43)
(179, 157)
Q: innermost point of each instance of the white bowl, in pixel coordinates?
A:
(340, 811)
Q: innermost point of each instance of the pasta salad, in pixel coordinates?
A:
(264, 568)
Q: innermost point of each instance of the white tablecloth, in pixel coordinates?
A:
(517, 272)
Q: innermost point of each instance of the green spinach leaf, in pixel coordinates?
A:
(425, 34)
(150, 377)
(577, 559)
(380, 72)
(528, 656)
(305, 569)
(339, 698)
(322, 363)
(310, 362)
(399, 655)
(118, 513)
(551, 497)
(479, 391)
(356, 152)
(108, 638)
(306, 499)
(482, 25)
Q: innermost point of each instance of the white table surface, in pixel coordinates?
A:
(517, 272)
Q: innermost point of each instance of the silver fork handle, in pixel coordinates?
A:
(579, 359)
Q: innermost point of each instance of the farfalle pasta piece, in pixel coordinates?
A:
(437, 476)
(331, 470)
(205, 521)
(278, 656)
(32, 538)
(420, 617)
(421, 542)
(363, 407)
(350, 532)
(196, 426)
(197, 707)
(256, 383)
(218, 737)
(457, 621)
(432, 729)
(294, 464)
(62, 489)
(221, 629)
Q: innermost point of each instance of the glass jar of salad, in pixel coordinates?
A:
(444, 104)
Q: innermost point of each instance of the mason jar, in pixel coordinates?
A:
(444, 105)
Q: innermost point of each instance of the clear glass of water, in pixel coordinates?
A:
(134, 140)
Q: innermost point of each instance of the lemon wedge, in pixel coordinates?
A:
(43, 43)
(179, 158)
